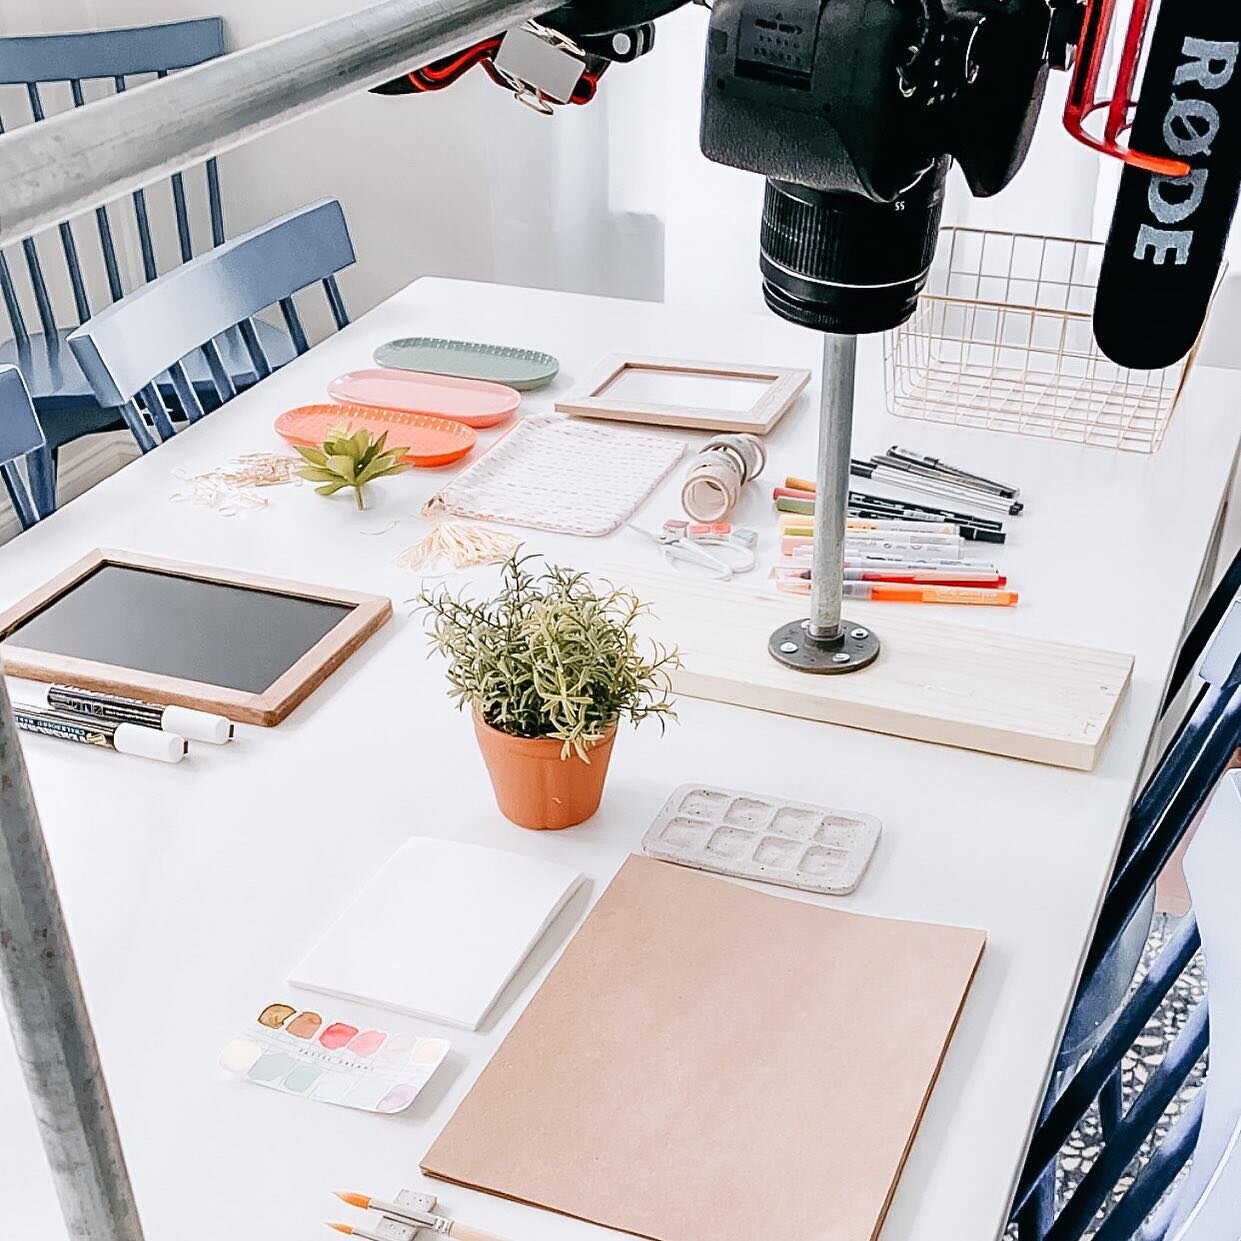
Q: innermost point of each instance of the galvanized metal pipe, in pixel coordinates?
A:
(831, 507)
(82, 158)
(51, 1027)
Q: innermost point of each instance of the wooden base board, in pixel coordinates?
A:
(935, 680)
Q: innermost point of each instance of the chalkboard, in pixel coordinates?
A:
(250, 647)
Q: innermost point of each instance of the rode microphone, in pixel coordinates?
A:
(1177, 199)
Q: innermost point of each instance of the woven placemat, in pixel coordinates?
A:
(557, 473)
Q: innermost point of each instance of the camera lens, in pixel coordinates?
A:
(843, 263)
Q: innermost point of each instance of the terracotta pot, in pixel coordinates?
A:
(534, 786)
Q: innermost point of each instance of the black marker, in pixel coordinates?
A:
(123, 738)
(195, 725)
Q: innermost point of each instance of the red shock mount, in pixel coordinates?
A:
(1084, 100)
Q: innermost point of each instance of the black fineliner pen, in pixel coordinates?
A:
(123, 738)
(975, 534)
(942, 466)
(938, 512)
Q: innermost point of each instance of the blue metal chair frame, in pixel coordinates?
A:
(21, 437)
(126, 350)
(1167, 806)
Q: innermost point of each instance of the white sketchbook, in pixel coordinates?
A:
(439, 931)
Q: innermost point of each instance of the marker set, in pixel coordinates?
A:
(126, 725)
(897, 551)
(300, 1052)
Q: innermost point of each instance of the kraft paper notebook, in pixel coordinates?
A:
(707, 1061)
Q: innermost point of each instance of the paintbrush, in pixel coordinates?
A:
(412, 1216)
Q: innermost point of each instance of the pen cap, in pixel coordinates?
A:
(149, 743)
(198, 725)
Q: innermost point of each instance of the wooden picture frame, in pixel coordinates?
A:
(368, 614)
(781, 387)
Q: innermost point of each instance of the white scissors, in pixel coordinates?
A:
(722, 550)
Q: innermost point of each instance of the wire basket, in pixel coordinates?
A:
(1002, 339)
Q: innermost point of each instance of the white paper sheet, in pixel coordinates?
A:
(439, 931)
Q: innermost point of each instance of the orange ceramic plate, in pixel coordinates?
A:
(430, 441)
(474, 402)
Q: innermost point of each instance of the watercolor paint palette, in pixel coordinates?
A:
(297, 1051)
(792, 844)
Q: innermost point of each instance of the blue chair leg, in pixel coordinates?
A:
(1111, 1105)
(1037, 1216)
(41, 469)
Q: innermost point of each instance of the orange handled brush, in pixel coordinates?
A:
(409, 1215)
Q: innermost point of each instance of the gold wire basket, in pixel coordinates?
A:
(1002, 339)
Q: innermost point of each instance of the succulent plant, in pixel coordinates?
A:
(350, 460)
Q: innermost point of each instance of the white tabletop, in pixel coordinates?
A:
(191, 890)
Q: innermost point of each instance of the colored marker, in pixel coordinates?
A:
(797, 548)
(917, 527)
(879, 593)
(185, 722)
(123, 738)
(937, 577)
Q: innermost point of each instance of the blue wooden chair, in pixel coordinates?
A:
(1189, 770)
(78, 67)
(21, 436)
(1207, 1206)
(150, 337)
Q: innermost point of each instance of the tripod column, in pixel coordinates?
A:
(825, 642)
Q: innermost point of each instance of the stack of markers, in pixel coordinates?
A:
(894, 551)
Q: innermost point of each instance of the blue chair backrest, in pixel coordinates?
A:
(126, 348)
(118, 59)
(20, 434)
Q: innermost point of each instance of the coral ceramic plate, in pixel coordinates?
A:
(470, 401)
(429, 441)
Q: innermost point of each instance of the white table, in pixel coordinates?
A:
(191, 890)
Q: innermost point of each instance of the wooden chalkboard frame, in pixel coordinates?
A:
(369, 613)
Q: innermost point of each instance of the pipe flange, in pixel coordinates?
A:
(794, 646)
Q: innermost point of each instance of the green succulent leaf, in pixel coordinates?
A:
(343, 466)
(315, 474)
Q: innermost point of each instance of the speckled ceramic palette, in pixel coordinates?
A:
(522, 369)
(297, 1051)
(813, 848)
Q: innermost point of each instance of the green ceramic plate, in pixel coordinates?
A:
(522, 369)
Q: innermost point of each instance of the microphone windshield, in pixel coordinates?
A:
(1168, 234)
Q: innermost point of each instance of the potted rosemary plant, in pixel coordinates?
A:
(549, 667)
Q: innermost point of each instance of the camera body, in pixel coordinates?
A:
(853, 110)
